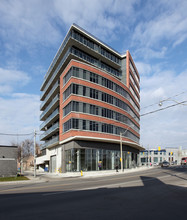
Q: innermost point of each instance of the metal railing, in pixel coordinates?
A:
(56, 58)
(57, 70)
(56, 85)
(56, 112)
(50, 130)
(55, 99)
(54, 140)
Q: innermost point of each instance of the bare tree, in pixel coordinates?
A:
(26, 148)
(38, 151)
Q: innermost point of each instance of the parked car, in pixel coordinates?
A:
(165, 164)
(184, 161)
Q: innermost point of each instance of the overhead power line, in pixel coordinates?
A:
(151, 112)
(16, 134)
(164, 100)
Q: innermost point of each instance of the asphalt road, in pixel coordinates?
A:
(152, 194)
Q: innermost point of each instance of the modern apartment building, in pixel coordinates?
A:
(90, 95)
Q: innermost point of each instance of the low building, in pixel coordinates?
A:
(155, 156)
(8, 161)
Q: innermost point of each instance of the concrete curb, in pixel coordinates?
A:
(46, 177)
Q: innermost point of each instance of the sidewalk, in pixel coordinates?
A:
(46, 177)
(89, 174)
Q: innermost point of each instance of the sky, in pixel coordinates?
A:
(155, 33)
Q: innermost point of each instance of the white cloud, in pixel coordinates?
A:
(160, 31)
(10, 79)
(168, 25)
(148, 53)
(19, 114)
(144, 68)
(5, 89)
(168, 127)
(98, 17)
(13, 76)
(25, 23)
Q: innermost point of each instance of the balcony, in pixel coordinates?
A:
(56, 71)
(51, 118)
(53, 103)
(52, 142)
(42, 159)
(95, 50)
(55, 59)
(55, 87)
(50, 131)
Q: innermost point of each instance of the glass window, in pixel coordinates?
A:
(93, 93)
(75, 89)
(93, 126)
(156, 159)
(93, 77)
(75, 123)
(84, 90)
(76, 71)
(84, 124)
(82, 155)
(84, 74)
(84, 107)
(75, 106)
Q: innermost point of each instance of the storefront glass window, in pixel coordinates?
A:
(97, 159)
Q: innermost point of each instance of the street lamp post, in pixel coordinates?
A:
(121, 148)
(172, 100)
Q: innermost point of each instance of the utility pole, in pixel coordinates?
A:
(34, 153)
(121, 146)
(148, 157)
(21, 160)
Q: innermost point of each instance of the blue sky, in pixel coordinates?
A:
(155, 32)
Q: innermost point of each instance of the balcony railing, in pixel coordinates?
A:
(55, 99)
(56, 58)
(56, 85)
(58, 82)
(97, 49)
(49, 131)
(56, 112)
(55, 140)
(57, 70)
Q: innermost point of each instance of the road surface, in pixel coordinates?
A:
(159, 193)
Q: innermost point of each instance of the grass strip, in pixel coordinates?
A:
(17, 178)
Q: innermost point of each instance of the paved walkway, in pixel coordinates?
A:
(44, 176)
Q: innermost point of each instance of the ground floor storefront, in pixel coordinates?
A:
(98, 159)
(88, 156)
